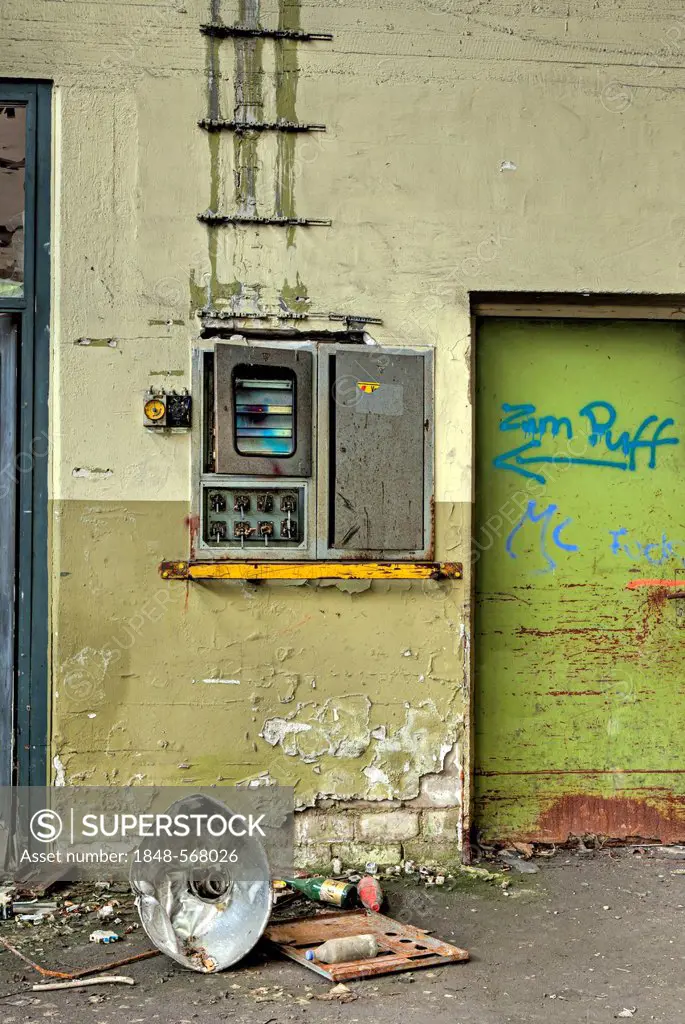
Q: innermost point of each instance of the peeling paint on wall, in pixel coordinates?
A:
(60, 771)
(97, 342)
(87, 471)
(339, 728)
(294, 298)
(225, 682)
(418, 747)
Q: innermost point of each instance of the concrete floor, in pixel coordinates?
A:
(586, 938)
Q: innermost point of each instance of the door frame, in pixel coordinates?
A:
(528, 306)
(8, 517)
(32, 311)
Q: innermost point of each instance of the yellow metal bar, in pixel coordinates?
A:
(310, 570)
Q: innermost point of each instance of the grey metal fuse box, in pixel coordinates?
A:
(315, 450)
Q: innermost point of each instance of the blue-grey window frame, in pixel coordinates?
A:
(32, 310)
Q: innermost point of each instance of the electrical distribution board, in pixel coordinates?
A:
(315, 451)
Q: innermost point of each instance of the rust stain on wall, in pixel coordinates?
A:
(193, 524)
(617, 816)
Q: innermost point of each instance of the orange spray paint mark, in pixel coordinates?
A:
(636, 584)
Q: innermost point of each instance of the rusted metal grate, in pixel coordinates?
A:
(401, 946)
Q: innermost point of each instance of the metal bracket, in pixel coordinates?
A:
(218, 124)
(226, 31)
(207, 313)
(209, 217)
(226, 314)
(354, 318)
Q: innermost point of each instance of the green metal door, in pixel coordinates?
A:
(580, 580)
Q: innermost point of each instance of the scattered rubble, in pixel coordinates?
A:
(86, 907)
(6, 897)
(518, 863)
(527, 850)
(107, 912)
(341, 993)
(102, 936)
(672, 852)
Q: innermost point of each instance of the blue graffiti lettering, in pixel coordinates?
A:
(556, 537)
(601, 418)
(531, 426)
(545, 517)
(655, 552)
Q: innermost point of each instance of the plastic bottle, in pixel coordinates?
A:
(327, 890)
(338, 951)
(370, 893)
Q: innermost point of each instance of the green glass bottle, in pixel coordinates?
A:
(326, 890)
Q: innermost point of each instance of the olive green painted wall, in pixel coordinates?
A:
(222, 682)
(499, 148)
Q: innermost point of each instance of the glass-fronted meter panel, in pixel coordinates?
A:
(263, 410)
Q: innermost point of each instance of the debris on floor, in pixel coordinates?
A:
(207, 921)
(486, 876)
(206, 932)
(326, 890)
(32, 910)
(103, 936)
(106, 913)
(105, 979)
(341, 993)
(82, 972)
(370, 893)
(521, 954)
(343, 950)
(518, 863)
(401, 947)
(6, 896)
(527, 850)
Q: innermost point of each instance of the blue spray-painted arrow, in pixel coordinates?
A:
(515, 463)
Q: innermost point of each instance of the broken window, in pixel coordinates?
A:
(12, 174)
